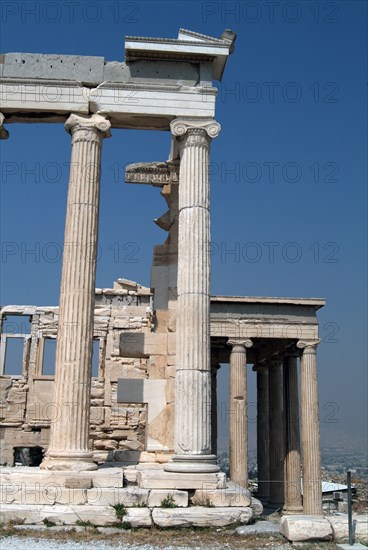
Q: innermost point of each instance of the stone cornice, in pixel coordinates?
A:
(149, 86)
(178, 42)
(207, 90)
(41, 82)
(190, 47)
(200, 36)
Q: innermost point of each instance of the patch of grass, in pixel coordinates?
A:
(48, 522)
(168, 502)
(120, 511)
(207, 503)
(139, 505)
(16, 521)
(82, 523)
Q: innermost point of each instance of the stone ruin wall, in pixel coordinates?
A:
(118, 431)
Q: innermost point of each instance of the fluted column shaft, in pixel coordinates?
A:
(276, 432)
(69, 434)
(312, 491)
(214, 369)
(293, 496)
(193, 445)
(263, 448)
(238, 420)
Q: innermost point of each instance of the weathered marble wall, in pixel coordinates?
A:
(118, 431)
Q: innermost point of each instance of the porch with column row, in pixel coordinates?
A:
(287, 425)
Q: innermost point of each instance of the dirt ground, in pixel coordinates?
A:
(216, 538)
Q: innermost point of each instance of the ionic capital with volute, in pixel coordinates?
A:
(195, 131)
(241, 343)
(4, 134)
(88, 127)
(260, 367)
(308, 346)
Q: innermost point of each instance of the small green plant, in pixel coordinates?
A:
(120, 511)
(48, 522)
(207, 503)
(168, 502)
(139, 505)
(82, 523)
(126, 525)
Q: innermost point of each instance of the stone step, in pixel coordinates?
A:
(103, 477)
(230, 496)
(70, 515)
(156, 479)
(200, 516)
(49, 494)
(157, 496)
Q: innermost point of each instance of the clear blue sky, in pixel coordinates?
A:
(289, 172)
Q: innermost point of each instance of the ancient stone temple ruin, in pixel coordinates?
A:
(144, 424)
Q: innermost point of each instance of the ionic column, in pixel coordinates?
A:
(193, 447)
(214, 368)
(276, 432)
(69, 434)
(293, 495)
(238, 421)
(263, 450)
(312, 490)
(4, 134)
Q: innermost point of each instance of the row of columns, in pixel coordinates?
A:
(69, 438)
(278, 431)
(69, 435)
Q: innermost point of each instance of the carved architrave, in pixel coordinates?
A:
(157, 174)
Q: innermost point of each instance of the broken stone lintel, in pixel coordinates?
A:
(157, 174)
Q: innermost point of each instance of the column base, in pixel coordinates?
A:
(193, 464)
(296, 510)
(75, 462)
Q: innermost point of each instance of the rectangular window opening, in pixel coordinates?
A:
(17, 324)
(49, 357)
(14, 357)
